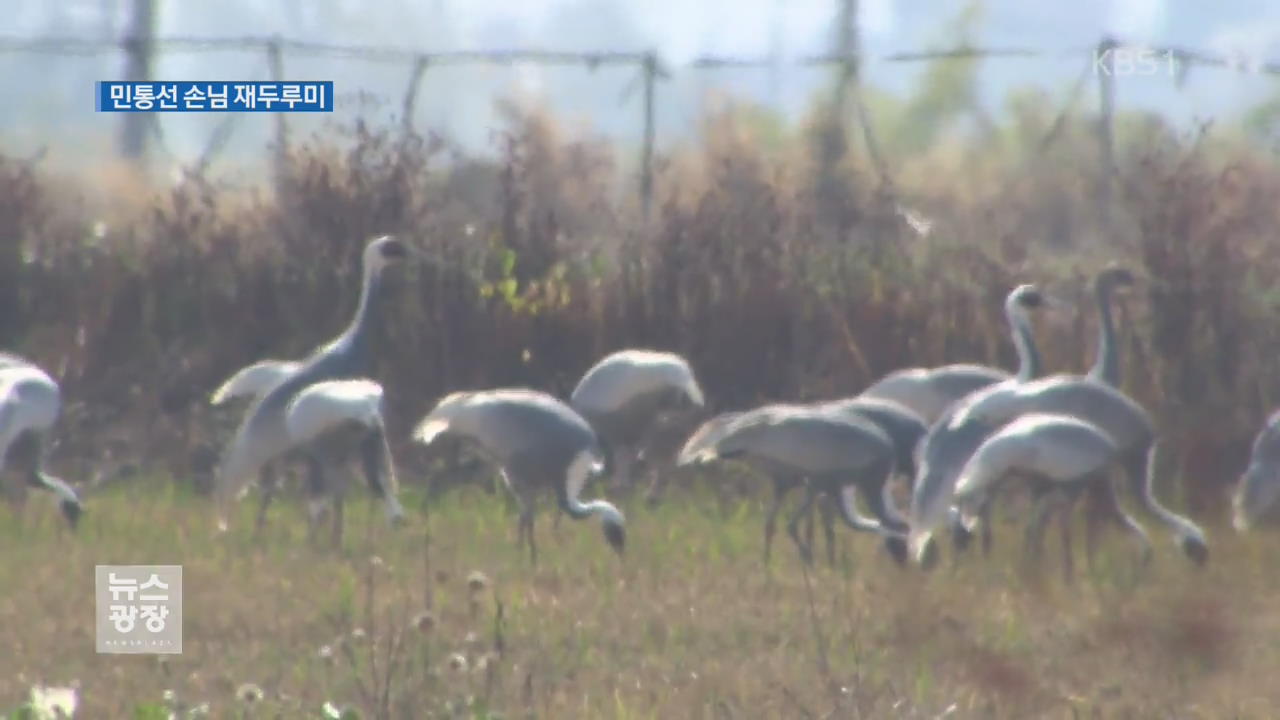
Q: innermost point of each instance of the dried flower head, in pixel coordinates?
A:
(53, 702)
(485, 661)
(326, 654)
(424, 622)
(249, 693)
(477, 581)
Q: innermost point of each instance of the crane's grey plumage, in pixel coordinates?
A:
(263, 436)
(335, 419)
(1259, 485)
(254, 381)
(626, 394)
(838, 455)
(1116, 414)
(949, 442)
(1106, 369)
(251, 383)
(1058, 454)
(30, 402)
(903, 426)
(929, 391)
(537, 441)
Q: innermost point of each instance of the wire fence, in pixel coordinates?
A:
(1100, 63)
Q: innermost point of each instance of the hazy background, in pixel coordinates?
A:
(50, 98)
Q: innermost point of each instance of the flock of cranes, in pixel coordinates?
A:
(956, 435)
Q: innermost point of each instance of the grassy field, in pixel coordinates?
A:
(688, 624)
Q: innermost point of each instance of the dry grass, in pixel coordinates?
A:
(779, 276)
(689, 624)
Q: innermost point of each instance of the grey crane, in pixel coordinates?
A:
(904, 428)
(1106, 369)
(627, 394)
(263, 435)
(1106, 365)
(250, 383)
(1059, 455)
(537, 441)
(1259, 485)
(948, 443)
(30, 402)
(334, 420)
(930, 391)
(840, 455)
(1123, 419)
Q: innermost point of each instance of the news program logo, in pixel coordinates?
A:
(301, 96)
(139, 608)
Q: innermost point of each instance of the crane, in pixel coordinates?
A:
(30, 402)
(538, 442)
(263, 435)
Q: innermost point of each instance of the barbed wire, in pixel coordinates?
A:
(190, 44)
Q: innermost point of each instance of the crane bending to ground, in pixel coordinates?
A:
(1105, 369)
(626, 395)
(30, 402)
(948, 444)
(1059, 455)
(252, 382)
(538, 442)
(264, 434)
(1259, 485)
(838, 455)
(1127, 424)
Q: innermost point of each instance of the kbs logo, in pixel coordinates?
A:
(1122, 61)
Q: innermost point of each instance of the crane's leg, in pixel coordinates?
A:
(318, 499)
(267, 480)
(1064, 524)
(623, 457)
(24, 460)
(338, 490)
(380, 472)
(781, 486)
(523, 491)
(827, 514)
(1033, 542)
(793, 525)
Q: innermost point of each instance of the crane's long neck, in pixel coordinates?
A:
(358, 332)
(1107, 365)
(1142, 480)
(54, 485)
(849, 512)
(579, 510)
(1024, 342)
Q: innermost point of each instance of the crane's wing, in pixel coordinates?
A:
(327, 405)
(705, 437)
(8, 360)
(623, 376)
(254, 381)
